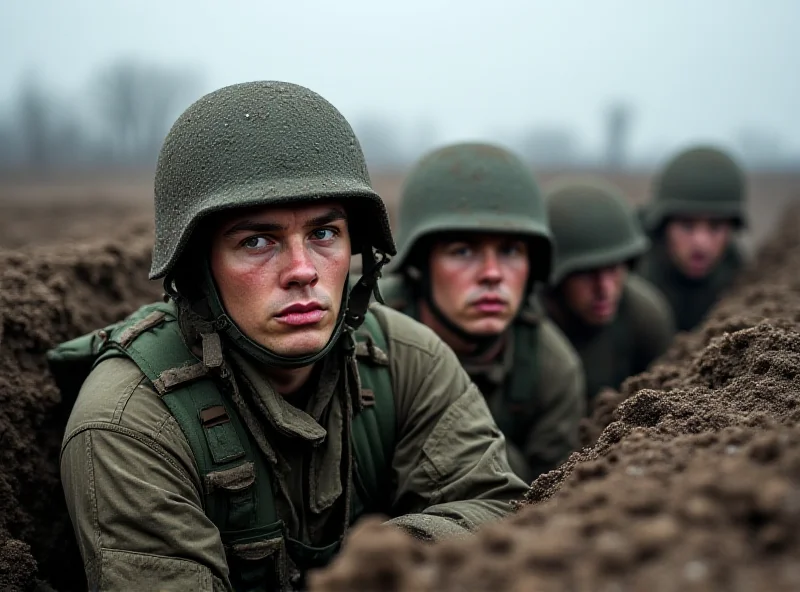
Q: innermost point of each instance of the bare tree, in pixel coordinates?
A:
(138, 102)
(618, 125)
(34, 122)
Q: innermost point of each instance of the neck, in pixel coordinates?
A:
(462, 347)
(288, 381)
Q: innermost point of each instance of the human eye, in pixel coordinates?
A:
(717, 226)
(459, 250)
(324, 234)
(255, 242)
(514, 249)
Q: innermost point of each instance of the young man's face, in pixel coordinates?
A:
(593, 296)
(478, 282)
(696, 245)
(280, 273)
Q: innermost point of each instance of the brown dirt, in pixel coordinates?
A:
(671, 460)
(691, 480)
(48, 295)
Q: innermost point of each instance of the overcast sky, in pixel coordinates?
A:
(694, 69)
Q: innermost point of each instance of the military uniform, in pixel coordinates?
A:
(183, 468)
(534, 386)
(705, 182)
(593, 227)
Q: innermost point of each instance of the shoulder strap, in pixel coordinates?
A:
(624, 337)
(525, 371)
(374, 428)
(521, 396)
(225, 459)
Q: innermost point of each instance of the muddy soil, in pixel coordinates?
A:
(708, 449)
(48, 295)
(690, 480)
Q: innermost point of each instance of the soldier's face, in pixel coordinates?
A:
(696, 245)
(593, 296)
(280, 273)
(479, 282)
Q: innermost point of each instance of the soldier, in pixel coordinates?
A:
(473, 239)
(617, 321)
(697, 207)
(228, 438)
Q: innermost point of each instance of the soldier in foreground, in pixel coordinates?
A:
(473, 241)
(617, 321)
(697, 207)
(228, 438)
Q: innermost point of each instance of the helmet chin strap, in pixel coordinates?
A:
(482, 342)
(351, 314)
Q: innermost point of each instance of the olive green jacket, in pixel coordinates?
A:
(690, 299)
(135, 497)
(558, 395)
(641, 331)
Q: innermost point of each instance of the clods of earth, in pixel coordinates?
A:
(689, 479)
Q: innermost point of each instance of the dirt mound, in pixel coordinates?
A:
(23, 224)
(692, 481)
(48, 295)
(767, 291)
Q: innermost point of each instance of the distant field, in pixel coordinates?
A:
(36, 210)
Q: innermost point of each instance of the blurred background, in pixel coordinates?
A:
(89, 89)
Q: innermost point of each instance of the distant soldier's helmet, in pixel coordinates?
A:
(264, 144)
(593, 227)
(700, 181)
(469, 188)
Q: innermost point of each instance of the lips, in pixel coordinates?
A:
(602, 308)
(301, 313)
(490, 304)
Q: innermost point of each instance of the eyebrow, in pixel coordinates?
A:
(248, 225)
(331, 216)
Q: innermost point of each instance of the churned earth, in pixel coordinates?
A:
(47, 295)
(690, 479)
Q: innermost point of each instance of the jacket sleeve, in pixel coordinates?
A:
(450, 465)
(133, 493)
(555, 433)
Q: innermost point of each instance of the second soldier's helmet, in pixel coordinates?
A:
(700, 181)
(472, 187)
(593, 227)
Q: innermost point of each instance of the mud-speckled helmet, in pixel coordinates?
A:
(593, 226)
(264, 144)
(260, 143)
(700, 181)
(472, 187)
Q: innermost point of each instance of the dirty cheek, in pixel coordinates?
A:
(451, 280)
(241, 281)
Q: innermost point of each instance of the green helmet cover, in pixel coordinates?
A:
(259, 144)
(700, 181)
(593, 226)
(264, 144)
(472, 187)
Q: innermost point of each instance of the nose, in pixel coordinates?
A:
(298, 269)
(604, 281)
(490, 271)
(702, 238)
